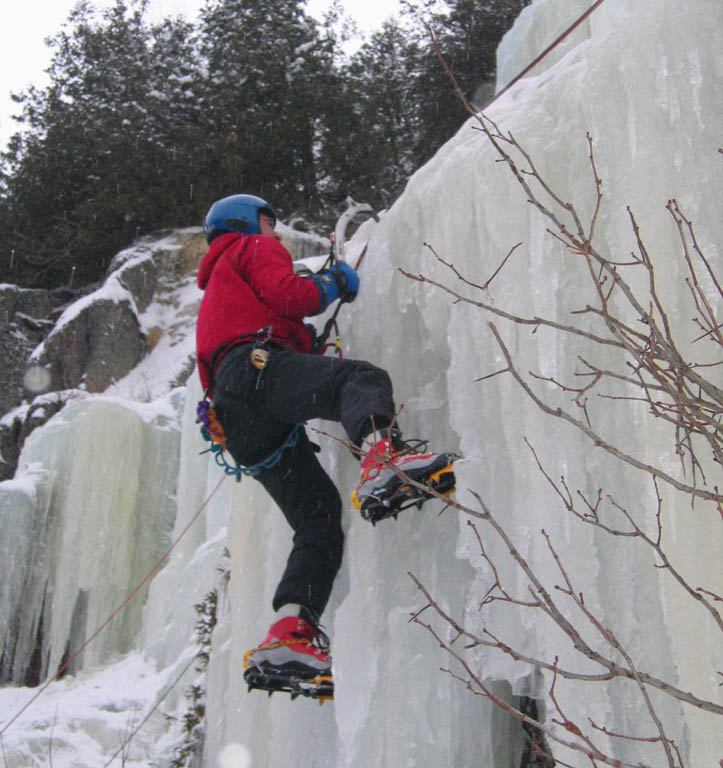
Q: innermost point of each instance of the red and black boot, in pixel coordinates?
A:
(293, 657)
(382, 492)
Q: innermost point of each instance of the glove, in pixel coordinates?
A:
(350, 288)
(315, 343)
(341, 281)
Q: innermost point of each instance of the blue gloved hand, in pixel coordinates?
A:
(339, 282)
(351, 282)
(315, 345)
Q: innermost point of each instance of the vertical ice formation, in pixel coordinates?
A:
(644, 80)
(87, 516)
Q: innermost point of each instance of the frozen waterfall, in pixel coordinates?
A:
(644, 79)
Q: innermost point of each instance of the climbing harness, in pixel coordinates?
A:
(212, 430)
(260, 341)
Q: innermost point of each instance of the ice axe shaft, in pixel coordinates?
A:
(331, 322)
(338, 253)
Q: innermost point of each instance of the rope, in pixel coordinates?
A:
(547, 50)
(254, 470)
(153, 709)
(103, 626)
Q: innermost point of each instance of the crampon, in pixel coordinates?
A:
(395, 497)
(320, 687)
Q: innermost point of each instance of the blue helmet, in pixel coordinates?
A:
(237, 213)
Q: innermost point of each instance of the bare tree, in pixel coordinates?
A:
(674, 379)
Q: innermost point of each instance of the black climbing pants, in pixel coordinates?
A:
(258, 410)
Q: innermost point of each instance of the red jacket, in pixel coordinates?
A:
(249, 283)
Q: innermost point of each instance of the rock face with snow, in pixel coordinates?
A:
(96, 341)
(644, 80)
(25, 319)
(101, 344)
(99, 340)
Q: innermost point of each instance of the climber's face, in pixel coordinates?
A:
(266, 227)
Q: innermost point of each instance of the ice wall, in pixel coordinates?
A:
(644, 80)
(86, 516)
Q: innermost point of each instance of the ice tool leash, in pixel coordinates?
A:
(322, 341)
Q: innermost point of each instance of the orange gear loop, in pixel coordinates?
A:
(215, 430)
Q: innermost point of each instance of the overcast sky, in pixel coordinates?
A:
(24, 25)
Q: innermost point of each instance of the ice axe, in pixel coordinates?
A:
(353, 210)
(338, 251)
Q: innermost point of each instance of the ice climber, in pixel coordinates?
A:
(254, 303)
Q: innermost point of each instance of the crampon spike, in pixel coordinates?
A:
(271, 680)
(406, 496)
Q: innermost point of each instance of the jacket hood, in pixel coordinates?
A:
(215, 250)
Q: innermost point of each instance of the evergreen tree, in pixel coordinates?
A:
(267, 72)
(369, 133)
(144, 126)
(174, 123)
(73, 174)
(395, 105)
(468, 32)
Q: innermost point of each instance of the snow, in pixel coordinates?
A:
(49, 398)
(111, 290)
(173, 315)
(90, 715)
(644, 80)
